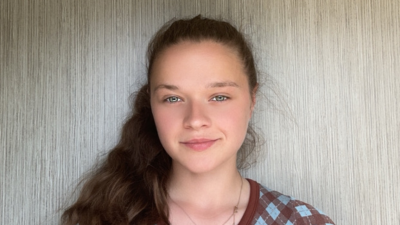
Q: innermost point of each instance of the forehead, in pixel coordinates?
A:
(205, 61)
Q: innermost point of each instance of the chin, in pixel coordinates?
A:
(207, 166)
(200, 168)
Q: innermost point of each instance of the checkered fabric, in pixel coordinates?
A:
(275, 208)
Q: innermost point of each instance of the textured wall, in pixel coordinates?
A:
(330, 118)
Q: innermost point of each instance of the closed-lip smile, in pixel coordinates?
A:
(199, 144)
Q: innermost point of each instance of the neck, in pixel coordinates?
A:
(207, 191)
(207, 198)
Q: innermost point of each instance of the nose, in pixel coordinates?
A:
(196, 116)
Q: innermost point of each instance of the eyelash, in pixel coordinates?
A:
(221, 100)
(169, 99)
(177, 99)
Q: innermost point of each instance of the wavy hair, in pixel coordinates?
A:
(130, 186)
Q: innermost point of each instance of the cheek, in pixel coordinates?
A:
(162, 118)
(167, 122)
(234, 118)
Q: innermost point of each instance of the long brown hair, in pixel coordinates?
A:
(129, 187)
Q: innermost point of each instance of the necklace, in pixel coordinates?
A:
(235, 208)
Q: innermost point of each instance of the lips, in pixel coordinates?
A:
(199, 144)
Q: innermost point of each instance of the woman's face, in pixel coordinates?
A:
(201, 104)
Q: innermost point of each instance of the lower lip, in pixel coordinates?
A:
(200, 146)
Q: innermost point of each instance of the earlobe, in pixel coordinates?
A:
(253, 97)
(253, 104)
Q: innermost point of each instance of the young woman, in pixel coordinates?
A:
(178, 157)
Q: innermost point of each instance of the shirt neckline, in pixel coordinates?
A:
(253, 203)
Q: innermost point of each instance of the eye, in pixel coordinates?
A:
(219, 98)
(172, 99)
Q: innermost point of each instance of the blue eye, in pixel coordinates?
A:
(173, 99)
(219, 98)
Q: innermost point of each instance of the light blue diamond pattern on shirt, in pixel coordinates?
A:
(272, 210)
(260, 221)
(320, 212)
(289, 223)
(284, 199)
(261, 194)
(303, 210)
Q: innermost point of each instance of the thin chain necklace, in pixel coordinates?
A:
(235, 209)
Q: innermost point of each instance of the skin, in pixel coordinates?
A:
(201, 104)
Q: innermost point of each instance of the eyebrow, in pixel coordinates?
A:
(166, 86)
(223, 84)
(211, 85)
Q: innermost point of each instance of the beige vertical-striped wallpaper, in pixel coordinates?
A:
(328, 110)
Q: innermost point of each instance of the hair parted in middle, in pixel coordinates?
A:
(130, 186)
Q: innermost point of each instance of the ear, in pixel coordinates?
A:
(253, 98)
(148, 90)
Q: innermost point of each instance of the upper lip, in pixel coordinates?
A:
(197, 140)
